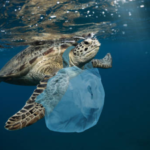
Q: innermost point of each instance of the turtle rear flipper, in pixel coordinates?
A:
(31, 112)
(28, 115)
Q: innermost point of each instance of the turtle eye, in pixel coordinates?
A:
(85, 42)
(86, 49)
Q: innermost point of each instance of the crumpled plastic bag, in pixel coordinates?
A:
(73, 100)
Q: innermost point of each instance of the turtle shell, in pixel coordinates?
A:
(24, 61)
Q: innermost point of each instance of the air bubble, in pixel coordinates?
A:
(88, 12)
(141, 6)
(130, 14)
(53, 16)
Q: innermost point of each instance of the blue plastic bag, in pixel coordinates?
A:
(73, 100)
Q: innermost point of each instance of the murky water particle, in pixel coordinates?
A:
(103, 12)
(89, 15)
(41, 17)
(15, 9)
(96, 6)
(111, 14)
(119, 15)
(96, 16)
(76, 11)
(123, 32)
(58, 2)
(36, 24)
(93, 12)
(19, 8)
(70, 28)
(83, 8)
(3, 5)
(130, 14)
(125, 25)
(115, 2)
(141, 6)
(38, 6)
(67, 11)
(113, 30)
(2, 30)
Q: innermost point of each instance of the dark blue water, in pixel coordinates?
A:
(124, 123)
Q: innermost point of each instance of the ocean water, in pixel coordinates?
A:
(124, 123)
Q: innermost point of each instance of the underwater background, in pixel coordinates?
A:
(125, 32)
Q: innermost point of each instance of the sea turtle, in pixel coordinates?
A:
(37, 64)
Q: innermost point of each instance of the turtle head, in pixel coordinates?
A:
(84, 52)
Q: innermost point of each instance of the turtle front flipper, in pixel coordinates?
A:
(31, 112)
(105, 63)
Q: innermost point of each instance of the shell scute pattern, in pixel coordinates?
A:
(21, 63)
